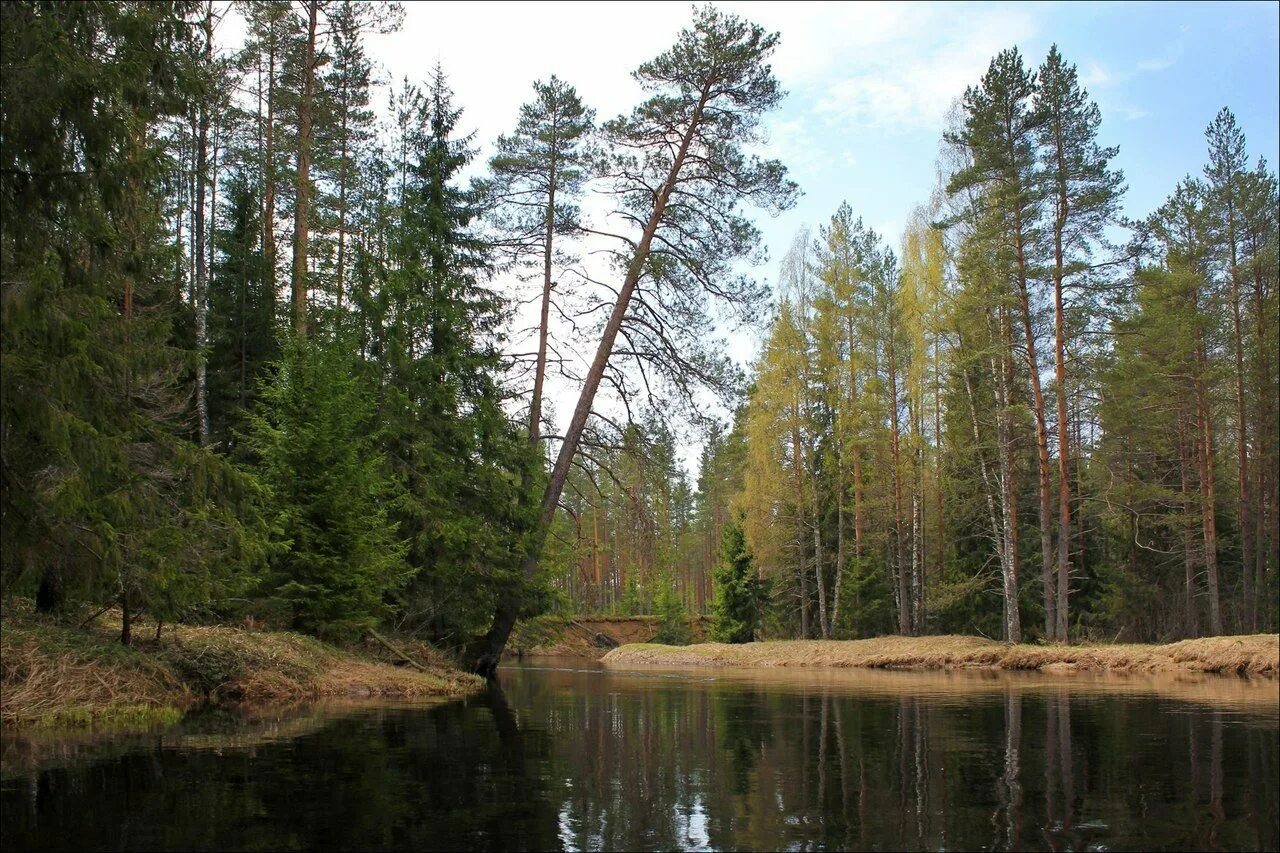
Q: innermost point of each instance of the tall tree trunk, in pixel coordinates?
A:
(1249, 610)
(302, 199)
(919, 571)
(797, 475)
(904, 602)
(269, 170)
(854, 443)
(540, 369)
(1060, 383)
(485, 656)
(818, 561)
(1207, 498)
(834, 619)
(342, 201)
(997, 534)
(1042, 455)
(1009, 492)
(1185, 453)
(1266, 463)
(937, 455)
(201, 295)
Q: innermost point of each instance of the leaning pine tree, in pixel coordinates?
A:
(680, 172)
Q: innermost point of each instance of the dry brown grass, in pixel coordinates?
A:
(56, 673)
(1256, 654)
(65, 687)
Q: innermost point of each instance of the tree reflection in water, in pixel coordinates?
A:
(593, 760)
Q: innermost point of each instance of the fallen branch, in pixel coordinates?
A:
(105, 608)
(397, 651)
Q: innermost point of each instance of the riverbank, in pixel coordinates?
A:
(1250, 655)
(56, 673)
(587, 637)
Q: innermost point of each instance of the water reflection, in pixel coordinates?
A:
(564, 759)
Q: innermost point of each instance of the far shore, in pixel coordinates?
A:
(1255, 655)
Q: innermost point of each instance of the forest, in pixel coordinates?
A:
(279, 345)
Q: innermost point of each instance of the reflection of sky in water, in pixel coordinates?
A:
(691, 823)
(566, 829)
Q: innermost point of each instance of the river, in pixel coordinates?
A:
(572, 756)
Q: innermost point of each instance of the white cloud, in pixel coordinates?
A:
(907, 71)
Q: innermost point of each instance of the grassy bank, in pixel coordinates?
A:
(57, 673)
(1256, 654)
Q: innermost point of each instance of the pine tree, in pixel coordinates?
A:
(538, 173)
(710, 93)
(1086, 193)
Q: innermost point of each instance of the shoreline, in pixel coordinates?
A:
(56, 674)
(1253, 655)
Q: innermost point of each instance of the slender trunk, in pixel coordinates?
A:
(540, 370)
(344, 135)
(201, 295)
(997, 536)
(900, 574)
(1060, 377)
(854, 443)
(797, 474)
(1266, 464)
(302, 200)
(937, 456)
(269, 173)
(1242, 435)
(1042, 455)
(1185, 453)
(1009, 492)
(1013, 769)
(485, 656)
(918, 566)
(819, 569)
(834, 619)
(1207, 498)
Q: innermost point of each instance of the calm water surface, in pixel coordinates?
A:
(568, 756)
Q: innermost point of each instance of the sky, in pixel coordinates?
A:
(870, 84)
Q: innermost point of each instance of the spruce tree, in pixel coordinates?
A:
(462, 466)
(103, 493)
(340, 554)
(736, 610)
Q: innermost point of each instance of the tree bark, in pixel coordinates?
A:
(269, 170)
(1042, 452)
(201, 295)
(540, 370)
(302, 200)
(1242, 428)
(904, 602)
(1009, 492)
(1207, 506)
(1185, 452)
(1060, 377)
